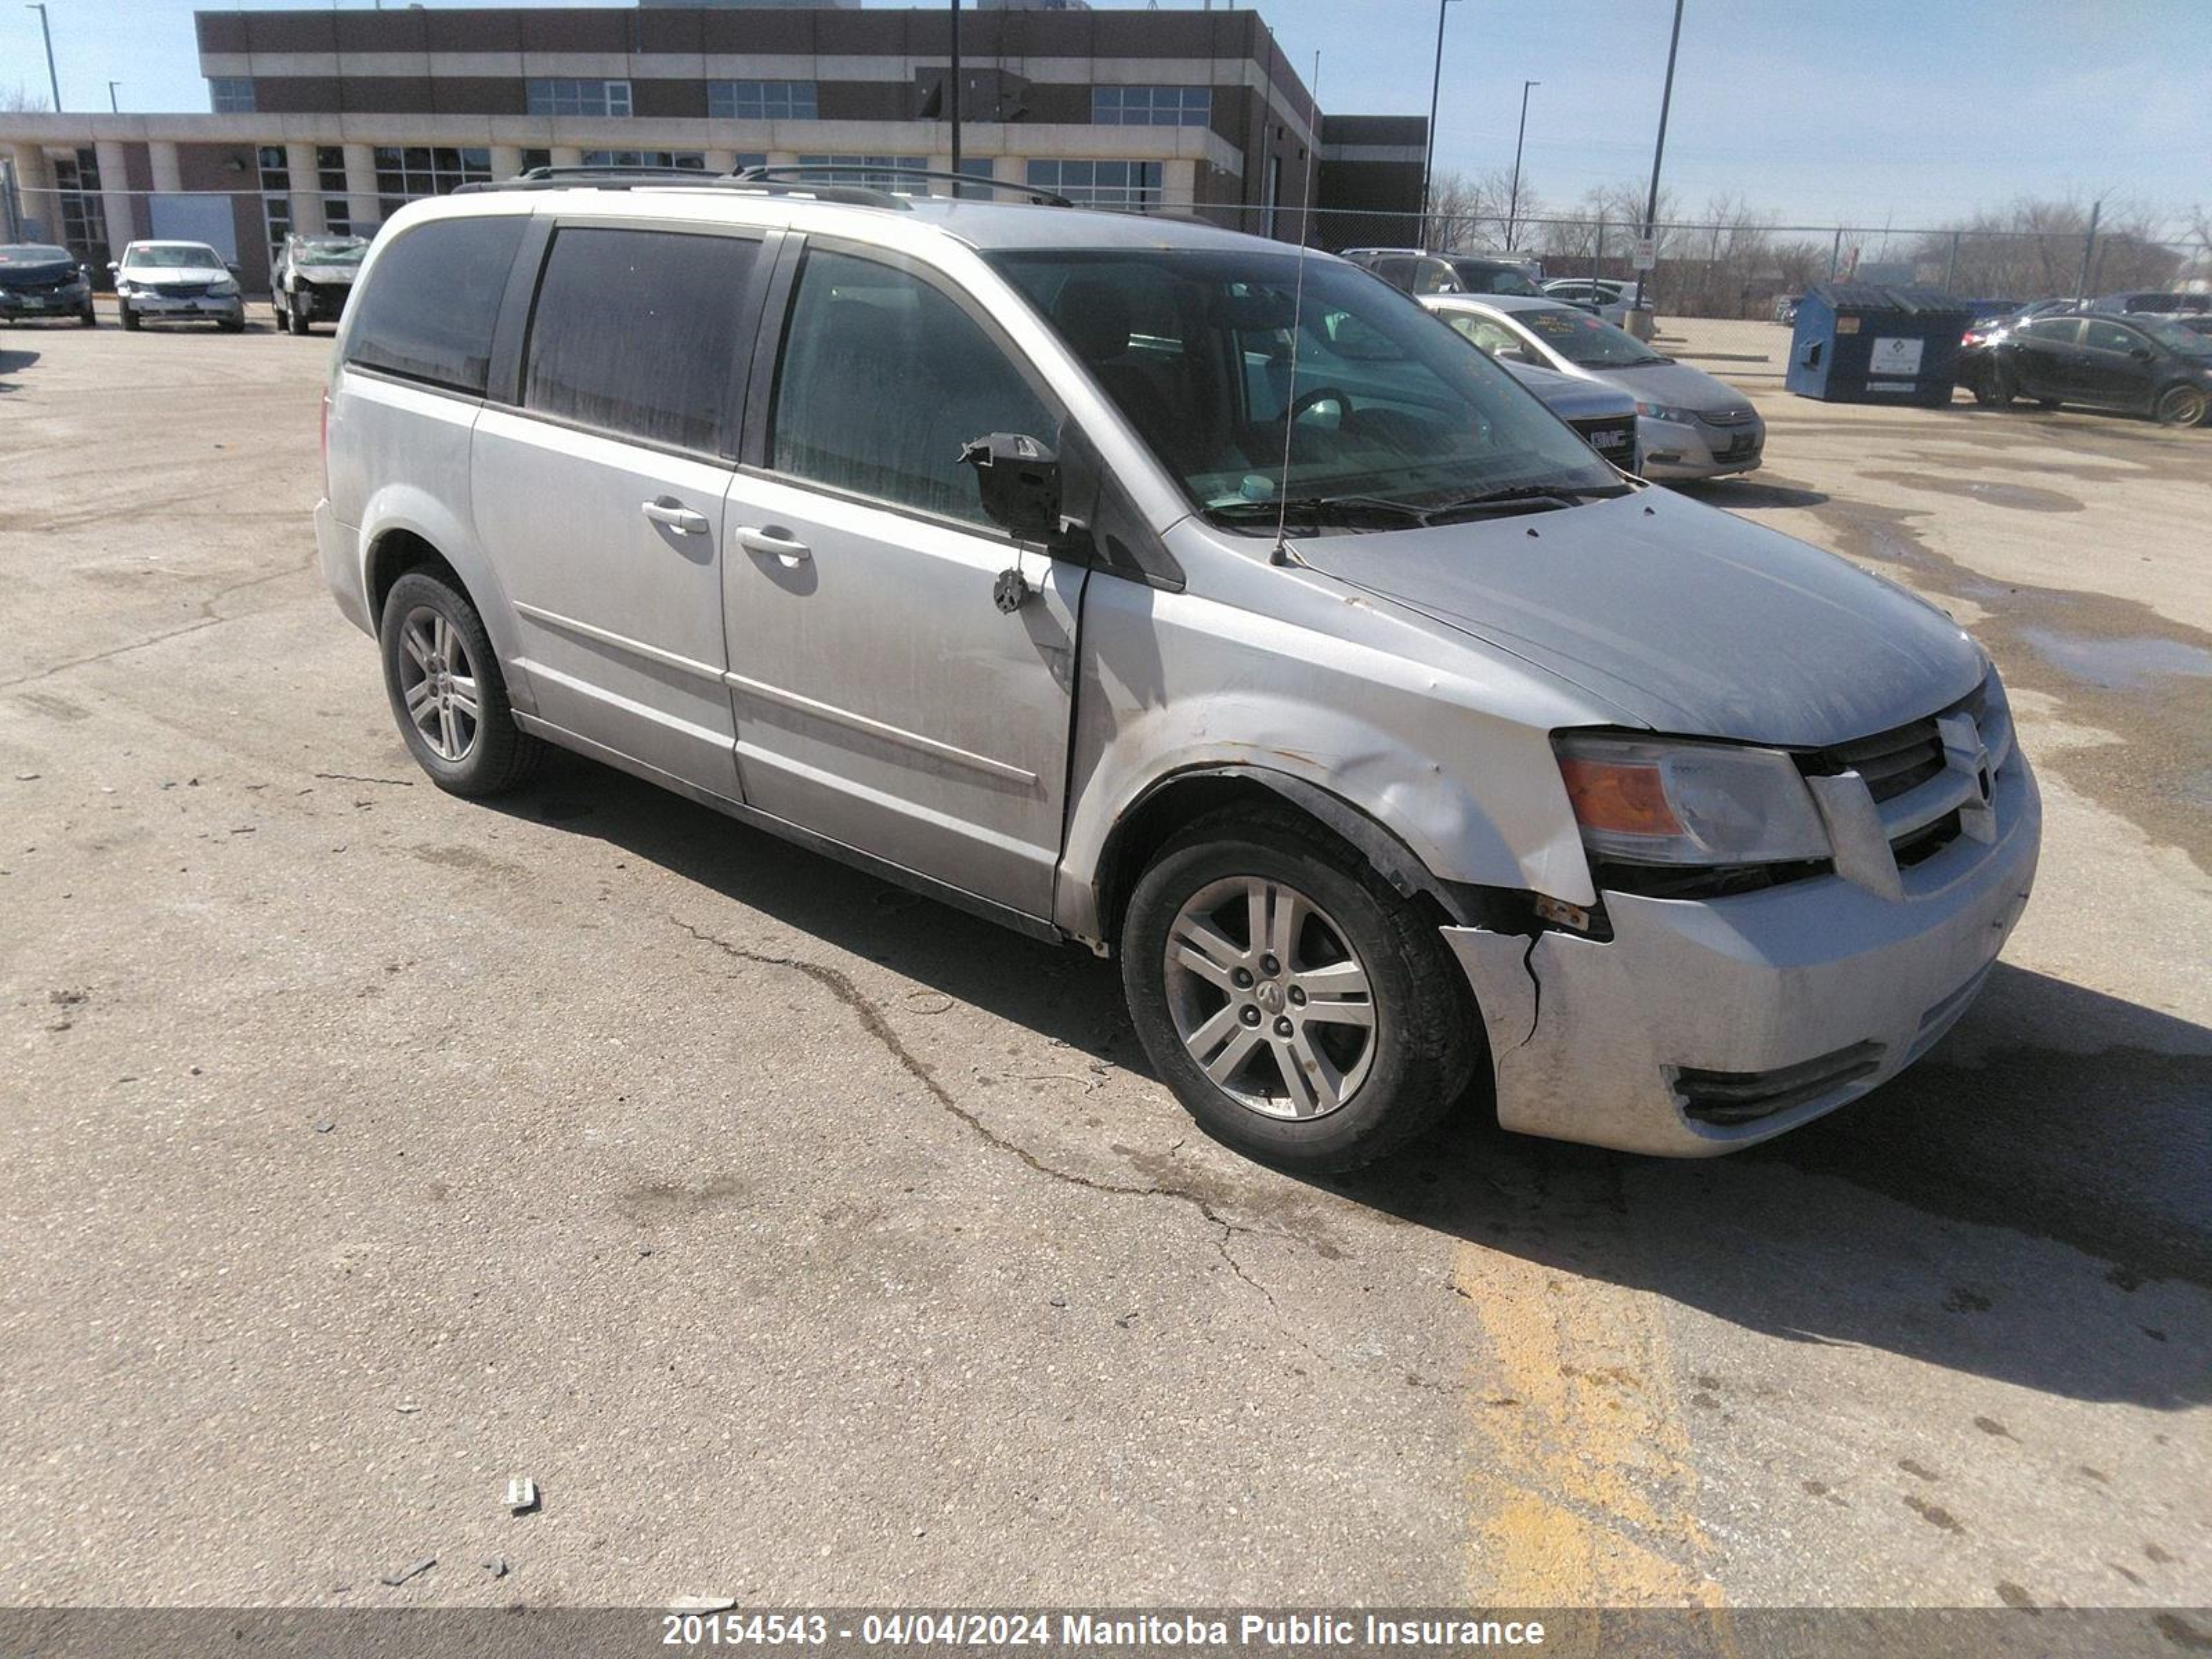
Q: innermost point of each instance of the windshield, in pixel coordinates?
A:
(1195, 348)
(31, 253)
(1592, 342)
(1481, 277)
(331, 250)
(2175, 336)
(173, 256)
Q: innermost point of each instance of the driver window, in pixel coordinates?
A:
(2108, 336)
(884, 380)
(1435, 277)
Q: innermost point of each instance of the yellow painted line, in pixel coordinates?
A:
(1584, 1492)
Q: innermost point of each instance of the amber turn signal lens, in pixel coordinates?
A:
(1619, 796)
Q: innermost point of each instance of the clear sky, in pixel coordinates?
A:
(1873, 111)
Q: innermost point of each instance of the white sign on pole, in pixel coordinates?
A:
(1647, 253)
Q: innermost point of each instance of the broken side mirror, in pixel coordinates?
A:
(1019, 481)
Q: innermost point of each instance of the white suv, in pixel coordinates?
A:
(1165, 590)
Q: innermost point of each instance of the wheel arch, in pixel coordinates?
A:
(399, 540)
(1181, 798)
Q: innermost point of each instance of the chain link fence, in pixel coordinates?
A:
(1745, 270)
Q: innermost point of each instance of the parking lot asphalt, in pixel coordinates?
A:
(805, 1241)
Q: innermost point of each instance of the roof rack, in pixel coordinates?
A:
(660, 178)
(786, 172)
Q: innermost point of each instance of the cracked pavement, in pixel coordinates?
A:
(807, 1241)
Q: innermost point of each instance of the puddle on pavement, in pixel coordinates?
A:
(2114, 665)
(2118, 664)
(2026, 497)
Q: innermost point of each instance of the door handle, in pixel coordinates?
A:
(780, 543)
(678, 518)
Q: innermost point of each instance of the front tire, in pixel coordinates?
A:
(302, 321)
(447, 692)
(1303, 1012)
(2181, 405)
(128, 317)
(89, 319)
(283, 310)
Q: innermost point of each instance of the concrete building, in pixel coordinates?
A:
(329, 119)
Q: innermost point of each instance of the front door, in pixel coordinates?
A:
(600, 498)
(2112, 374)
(883, 698)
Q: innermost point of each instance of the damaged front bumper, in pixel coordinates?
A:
(1704, 1026)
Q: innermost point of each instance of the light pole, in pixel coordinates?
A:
(955, 91)
(1513, 202)
(1666, 100)
(113, 107)
(46, 29)
(1429, 160)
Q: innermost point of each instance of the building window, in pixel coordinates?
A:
(230, 94)
(84, 226)
(761, 100)
(691, 159)
(331, 179)
(873, 180)
(275, 178)
(1152, 106)
(404, 174)
(1100, 183)
(749, 158)
(566, 96)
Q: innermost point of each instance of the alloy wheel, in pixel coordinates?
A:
(438, 683)
(1270, 999)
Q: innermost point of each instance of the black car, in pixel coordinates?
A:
(1418, 272)
(40, 283)
(2158, 304)
(2143, 365)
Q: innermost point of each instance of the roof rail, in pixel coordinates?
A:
(660, 178)
(788, 171)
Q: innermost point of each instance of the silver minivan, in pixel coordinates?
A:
(1171, 592)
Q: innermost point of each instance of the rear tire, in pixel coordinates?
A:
(1359, 1002)
(446, 691)
(2181, 405)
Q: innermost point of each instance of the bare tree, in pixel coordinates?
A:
(2031, 249)
(19, 101)
(1468, 211)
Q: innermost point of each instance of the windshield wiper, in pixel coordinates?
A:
(1322, 509)
(1521, 498)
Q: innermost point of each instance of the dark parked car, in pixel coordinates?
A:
(2143, 365)
(2158, 304)
(1420, 272)
(39, 282)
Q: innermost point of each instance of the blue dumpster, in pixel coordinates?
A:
(1876, 342)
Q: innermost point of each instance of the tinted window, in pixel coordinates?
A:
(2110, 337)
(884, 380)
(638, 331)
(1480, 277)
(2054, 331)
(1399, 271)
(431, 300)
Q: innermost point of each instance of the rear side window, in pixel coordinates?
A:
(638, 332)
(432, 299)
(2110, 337)
(2055, 331)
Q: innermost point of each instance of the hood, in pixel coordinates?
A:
(1568, 397)
(1690, 620)
(317, 272)
(22, 268)
(1676, 385)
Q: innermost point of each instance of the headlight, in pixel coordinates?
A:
(122, 287)
(223, 287)
(1664, 413)
(1689, 802)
